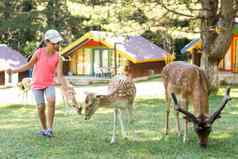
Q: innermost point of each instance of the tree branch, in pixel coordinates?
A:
(173, 11)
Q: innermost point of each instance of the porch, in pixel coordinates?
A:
(226, 77)
(87, 80)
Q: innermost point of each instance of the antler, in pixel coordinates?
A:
(190, 116)
(216, 114)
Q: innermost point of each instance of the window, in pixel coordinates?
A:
(101, 59)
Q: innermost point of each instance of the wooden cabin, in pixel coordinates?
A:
(229, 63)
(10, 58)
(102, 54)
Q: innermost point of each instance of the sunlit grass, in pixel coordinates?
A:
(77, 138)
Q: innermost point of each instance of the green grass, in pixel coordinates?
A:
(77, 138)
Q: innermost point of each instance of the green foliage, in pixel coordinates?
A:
(139, 16)
(179, 44)
(179, 23)
(27, 5)
(20, 24)
(93, 2)
(25, 21)
(160, 38)
(30, 48)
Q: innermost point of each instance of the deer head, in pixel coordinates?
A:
(24, 84)
(71, 100)
(91, 105)
(202, 123)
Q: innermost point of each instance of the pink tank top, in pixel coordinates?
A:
(44, 69)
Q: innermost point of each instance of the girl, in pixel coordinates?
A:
(47, 64)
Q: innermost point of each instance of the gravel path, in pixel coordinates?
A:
(148, 88)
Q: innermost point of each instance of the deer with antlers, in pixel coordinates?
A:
(189, 83)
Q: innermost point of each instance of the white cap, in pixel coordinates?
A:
(53, 36)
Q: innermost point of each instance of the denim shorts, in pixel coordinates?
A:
(41, 94)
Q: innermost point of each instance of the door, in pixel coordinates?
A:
(2, 77)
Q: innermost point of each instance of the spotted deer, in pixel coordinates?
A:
(24, 87)
(120, 97)
(189, 82)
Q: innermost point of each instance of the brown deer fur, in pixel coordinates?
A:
(120, 97)
(189, 83)
(69, 99)
(24, 87)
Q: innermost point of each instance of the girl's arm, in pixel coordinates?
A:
(67, 88)
(26, 66)
(62, 80)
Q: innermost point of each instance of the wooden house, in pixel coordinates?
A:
(10, 58)
(103, 53)
(228, 64)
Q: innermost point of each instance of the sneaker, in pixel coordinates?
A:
(49, 133)
(42, 133)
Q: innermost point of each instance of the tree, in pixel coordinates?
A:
(216, 15)
(216, 22)
(19, 23)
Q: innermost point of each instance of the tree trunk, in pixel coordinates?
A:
(7, 9)
(211, 70)
(216, 27)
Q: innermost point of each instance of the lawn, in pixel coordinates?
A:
(77, 138)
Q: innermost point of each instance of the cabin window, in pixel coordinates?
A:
(102, 58)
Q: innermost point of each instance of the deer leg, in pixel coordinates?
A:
(131, 121)
(27, 98)
(66, 105)
(65, 111)
(167, 113)
(24, 98)
(122, 118)
(178, 124)
(167, 122)
(113, 140)
(185, 106)
(185, 130)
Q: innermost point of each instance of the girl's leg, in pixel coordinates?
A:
(42, 116)
(50, 95)
(51, 113)
(39, 97)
